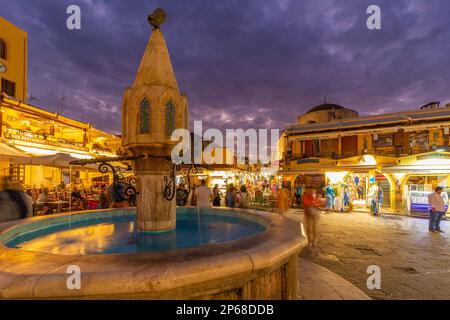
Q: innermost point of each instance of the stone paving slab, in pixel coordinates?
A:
(414, 263)
(318, 283)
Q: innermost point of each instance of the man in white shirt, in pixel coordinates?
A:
(437, 210)
(203, 195)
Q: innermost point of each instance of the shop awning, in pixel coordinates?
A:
(307, 172)
(422, 169)
(8, 153)
(60, 160)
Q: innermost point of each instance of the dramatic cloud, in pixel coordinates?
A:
(255, 63)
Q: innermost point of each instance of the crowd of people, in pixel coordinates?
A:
(202, 196)
(17, 202)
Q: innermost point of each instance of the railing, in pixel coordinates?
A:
(391, 152)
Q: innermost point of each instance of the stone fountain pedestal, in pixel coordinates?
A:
(154, 212)
(152, 108)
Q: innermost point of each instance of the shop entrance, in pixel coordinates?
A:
(385, 186)
(313, 181)
(417, 189)
(357, 187)
(363, 188)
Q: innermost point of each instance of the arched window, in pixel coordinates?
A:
(170, 118)
(144, 117)
(2, 49)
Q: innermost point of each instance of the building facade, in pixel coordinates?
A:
(13, 60)
(27, 131)
(405, 154)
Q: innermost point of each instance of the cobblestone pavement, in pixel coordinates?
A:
(414, 263)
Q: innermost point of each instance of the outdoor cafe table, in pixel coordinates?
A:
(52, 204)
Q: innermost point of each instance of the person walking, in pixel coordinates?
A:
(14, 203)
(117, 196)
(193, 193)
(329, 198)
(230, 196)
(380, 196)
(204, 195)
(182, 195)
(104, 199)
(243, 198)
(283, 200)
(298, 195)
(437, 210)
(217, 194)
(311, 207)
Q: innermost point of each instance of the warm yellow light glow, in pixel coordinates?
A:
(434, 161)
(368, 160)
(81, 156)
(399, 175)
(37, 151)
(336, 177)
(77, 241)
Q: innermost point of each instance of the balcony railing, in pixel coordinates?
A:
(391, 152)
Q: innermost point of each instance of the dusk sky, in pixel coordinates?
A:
(242, 64)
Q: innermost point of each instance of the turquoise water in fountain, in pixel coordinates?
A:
(118, 234)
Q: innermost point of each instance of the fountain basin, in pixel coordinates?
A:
(116, 232)
(262, 265)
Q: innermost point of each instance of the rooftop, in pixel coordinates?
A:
(406, 117)
(325, 106)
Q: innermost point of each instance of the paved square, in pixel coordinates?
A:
(415, 264)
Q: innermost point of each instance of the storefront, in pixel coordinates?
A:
(28, 133)
(416, 177)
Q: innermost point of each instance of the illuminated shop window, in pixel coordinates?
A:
(144, 117)
(170, 118)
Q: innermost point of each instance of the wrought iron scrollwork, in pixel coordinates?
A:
(170, 183)
(128, 192)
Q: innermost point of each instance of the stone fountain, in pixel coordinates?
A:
(258, 262)
(151, 109)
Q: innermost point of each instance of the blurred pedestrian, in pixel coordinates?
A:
(298, 195)
(283, 199)
(204, 195)
(217, 195)
(104, 199)
(14, 203)
(117, 196)
(182, 195)
(311, 205)
(194, 195)
(230, 196)
(243, 198)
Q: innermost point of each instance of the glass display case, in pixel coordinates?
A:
(419, 200)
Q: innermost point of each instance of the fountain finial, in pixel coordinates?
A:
(157, 18)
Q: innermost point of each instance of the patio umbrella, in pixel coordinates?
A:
(58, 160)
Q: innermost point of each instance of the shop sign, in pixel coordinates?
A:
(418, 139)
(384, 141)
(433, 156)
(301, 161)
